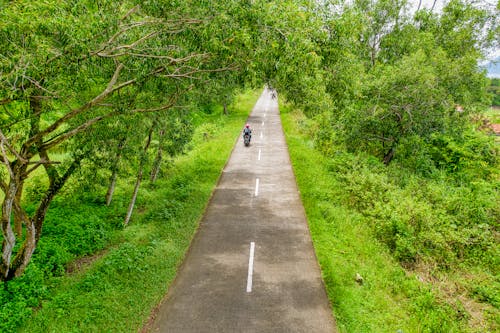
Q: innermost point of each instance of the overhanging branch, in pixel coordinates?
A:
(5, 143)
(66, 135)
(105, 93)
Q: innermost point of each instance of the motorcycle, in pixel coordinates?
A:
(246, 140)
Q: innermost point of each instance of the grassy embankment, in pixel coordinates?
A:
(354, 203)
(120, 275)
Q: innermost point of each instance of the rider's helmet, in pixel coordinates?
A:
(247, 126)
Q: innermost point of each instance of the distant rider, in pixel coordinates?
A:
(248, 131)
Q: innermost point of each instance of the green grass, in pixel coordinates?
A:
(117, 291)
(391, 299)
(493, 114)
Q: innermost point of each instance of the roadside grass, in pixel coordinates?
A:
(117, 291)
(493, 114)
(390, 298)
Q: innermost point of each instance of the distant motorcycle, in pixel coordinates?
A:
(246, 139)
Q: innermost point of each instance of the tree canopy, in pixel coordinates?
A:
(99, 79)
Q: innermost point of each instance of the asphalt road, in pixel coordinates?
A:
(251, 266)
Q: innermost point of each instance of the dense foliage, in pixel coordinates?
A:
(494, 89)
(86, 269)
(406, 151)
(109, 91)
(425, 245)
(85, 86)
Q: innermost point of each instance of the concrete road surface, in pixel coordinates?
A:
(251, 266)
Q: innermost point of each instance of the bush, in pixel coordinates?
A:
(52, 256)
(66, 236)
(19, 296)
(421, 218)
(469, 157)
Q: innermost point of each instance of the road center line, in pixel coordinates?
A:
(262, 122)
(259, 155)
(261, 135)
(250, 267)
(257, 187)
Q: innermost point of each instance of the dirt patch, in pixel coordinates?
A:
(84, 262)
(150, 321)
(496, 128)
(455, 294)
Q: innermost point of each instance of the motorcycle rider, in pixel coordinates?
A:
(247, 130)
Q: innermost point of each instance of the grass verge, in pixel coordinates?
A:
(389, 298)
(118, 290)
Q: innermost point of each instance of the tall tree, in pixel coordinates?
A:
(417, 73)
(64, 68)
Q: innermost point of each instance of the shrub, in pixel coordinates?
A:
(19, 296)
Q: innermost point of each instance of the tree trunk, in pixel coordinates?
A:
(10, 268)
(225, 109)
(9, 238)
(158, 159)
(419, 5)
(111, 187)
(156, 165)
(26, 251)
(139, 177)
(134, 196)
(373, 52)
(18, 221)
(433, 5)
(389, 155)
(114, 173)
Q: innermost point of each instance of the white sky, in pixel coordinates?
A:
(439, 5)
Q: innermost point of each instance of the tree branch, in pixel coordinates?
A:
(130, 46)
(39, 86)
(125, 28)
(5, 141)
(189, 74)
(5, 161)
(38, 164)
(3, 186)
(133, 10)
(66, 135)
(106, 92)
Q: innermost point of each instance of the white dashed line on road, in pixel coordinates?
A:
(250, 267)
(258, 158)
(257, 187)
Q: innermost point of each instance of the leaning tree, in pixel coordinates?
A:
(64, 68)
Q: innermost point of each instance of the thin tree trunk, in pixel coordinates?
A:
(139, 177)
(389, 155)
(18, 222)
(114, 174)
(10, 268)
(433, 5)
(373, 51)
(111, 187)
(26, 251)
(134, 196)
(158, 159)
(225, 109)
(156, 166)
(9, 240)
